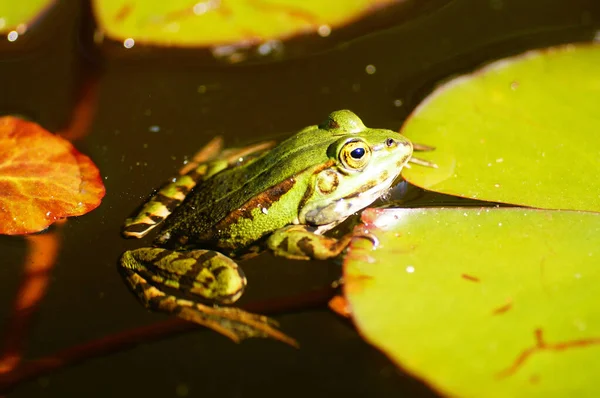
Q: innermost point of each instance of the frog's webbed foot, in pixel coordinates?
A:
(231, 322)
(206, 163)
(204, 273)
(299, 242)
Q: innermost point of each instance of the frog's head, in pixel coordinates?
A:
(343, 122)
(362, 164)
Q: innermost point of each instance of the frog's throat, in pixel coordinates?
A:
(338, 210)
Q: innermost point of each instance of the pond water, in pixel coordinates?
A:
(154, 108)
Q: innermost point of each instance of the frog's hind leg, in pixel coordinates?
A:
(206, 163)
(208, 274)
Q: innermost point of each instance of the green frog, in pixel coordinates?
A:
(238, 202)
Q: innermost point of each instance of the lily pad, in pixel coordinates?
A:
(523, 130)
(213, 22)
(482, 302)
(16, 15)
(43, 178)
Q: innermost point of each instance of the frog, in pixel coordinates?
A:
(232, 204)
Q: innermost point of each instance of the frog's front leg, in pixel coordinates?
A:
(299, 242)
(204, 273)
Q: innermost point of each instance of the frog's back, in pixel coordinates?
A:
(242, 204)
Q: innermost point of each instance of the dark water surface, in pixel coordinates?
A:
(191, 98)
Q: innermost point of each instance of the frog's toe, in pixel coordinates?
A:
(234, 323)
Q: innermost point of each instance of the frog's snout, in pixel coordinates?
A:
(406, 143)
(392, 143)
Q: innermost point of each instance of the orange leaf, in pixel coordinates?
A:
(43, 178)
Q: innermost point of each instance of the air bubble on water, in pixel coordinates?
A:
(128, 43)
(324, 30)
(13, 35)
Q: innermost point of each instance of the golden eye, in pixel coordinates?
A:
(355, 155)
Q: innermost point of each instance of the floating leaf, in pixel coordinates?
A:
(43, 178)
(213, 22)
(523, 130)
(482, 302)
(16, 15)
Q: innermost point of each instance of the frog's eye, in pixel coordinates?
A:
(355, 155)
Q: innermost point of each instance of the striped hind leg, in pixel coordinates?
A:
(207, 162)
(208, 274)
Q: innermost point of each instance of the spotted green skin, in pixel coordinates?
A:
(281, 199)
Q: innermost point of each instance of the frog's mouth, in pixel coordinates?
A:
(340, 209)
(360, 200)
(369, 192)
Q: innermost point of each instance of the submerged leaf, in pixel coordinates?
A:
(523, 130)
(213, 22)
(17, 15)
(43, 178)
(482, 302)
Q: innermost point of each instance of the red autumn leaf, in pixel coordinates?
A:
(43, 178)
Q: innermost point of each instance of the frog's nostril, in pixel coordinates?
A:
(390, 142)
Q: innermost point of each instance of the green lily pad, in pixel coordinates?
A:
(523, 130)
(213, 22)
(482, 302)
(16, 15)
